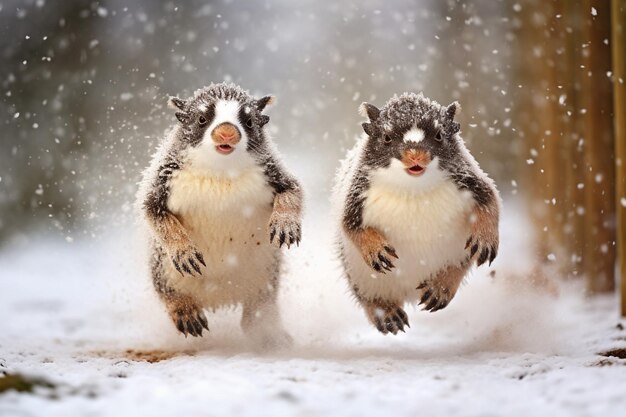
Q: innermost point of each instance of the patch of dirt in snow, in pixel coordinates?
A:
(150, 356)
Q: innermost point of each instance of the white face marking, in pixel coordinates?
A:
(415, 135)
(225, 111)
(395, 176)
(205, 156)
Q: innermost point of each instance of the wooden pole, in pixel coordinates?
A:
(571, 167)
(573, 128)
(618, 24)
(599, 166)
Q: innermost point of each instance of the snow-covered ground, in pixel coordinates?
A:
(83, 316)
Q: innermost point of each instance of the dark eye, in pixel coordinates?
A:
(387, 139)
(249, 123)
(438, 135)
(201, 120)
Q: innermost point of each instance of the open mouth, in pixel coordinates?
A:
(225, 149)
(415, 170)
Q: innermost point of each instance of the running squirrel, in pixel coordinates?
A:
(220, 205)
(416, 210)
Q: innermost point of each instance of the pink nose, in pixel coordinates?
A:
(226, 133)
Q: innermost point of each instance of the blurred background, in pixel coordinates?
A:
(84, 85)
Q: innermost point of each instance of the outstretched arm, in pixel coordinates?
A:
(285, 222)
(484, 240)
(166, 226)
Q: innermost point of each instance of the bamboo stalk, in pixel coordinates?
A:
(544, 137)
(531, 114)
(599, 251)
(573, 166)
(618, 24)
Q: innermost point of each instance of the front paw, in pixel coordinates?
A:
(375, 249)
(284, 229)
(378, 258)
(485, 244)
(187, 260)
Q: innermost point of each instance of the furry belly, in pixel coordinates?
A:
(428, 231)
(227, 220)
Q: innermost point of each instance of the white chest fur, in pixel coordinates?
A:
(226, 218)
(428, 230)
(201, 192)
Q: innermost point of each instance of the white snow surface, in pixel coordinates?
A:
(70, 311)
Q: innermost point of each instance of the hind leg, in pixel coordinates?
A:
(386, 315)
(437, 292)
(261, 320)
(184, 310)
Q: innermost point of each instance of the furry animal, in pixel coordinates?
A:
(220, 206)
(416, 210)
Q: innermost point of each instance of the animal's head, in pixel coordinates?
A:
(409, 138)
(221, 124)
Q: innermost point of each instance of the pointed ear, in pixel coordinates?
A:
(177, 103)
(370, 111)
(452, 109)
(368, 128)
(264, 101)
(264, 120)
(182, 117)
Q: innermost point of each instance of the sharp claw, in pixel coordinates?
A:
(186, 269)
(492, 256)
(432, 304)
(281, 239)
(377, 267)
(469, 241)
(200, 258)
(192, 329)
(483, 257)
(421, 286)
(425, 297)
(272, 234)
(203, 321)
(474, 249)
(386, 263)
(403, 316)
(180, 326)
(391, 251)
(198, 327)
(177, 266)
(195, 266)
(441, 305)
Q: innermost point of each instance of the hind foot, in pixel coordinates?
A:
(387, 317)
(436, 293)
(187, 315)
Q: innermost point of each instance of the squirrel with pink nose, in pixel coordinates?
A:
(415, 210)
(220, 205)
